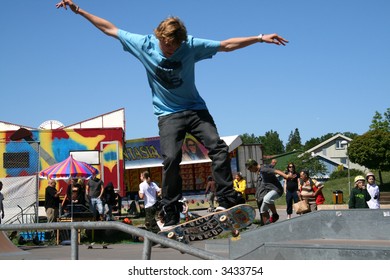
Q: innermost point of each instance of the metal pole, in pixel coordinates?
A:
(38, 184)
(147, 251)
(349, 179)
(74, 243)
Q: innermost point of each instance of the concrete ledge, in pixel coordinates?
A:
(332, 206)
(343, 206)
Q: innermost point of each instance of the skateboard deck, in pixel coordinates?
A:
(213, 224)
(91, 245)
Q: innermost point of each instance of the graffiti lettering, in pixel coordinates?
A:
(142, 152)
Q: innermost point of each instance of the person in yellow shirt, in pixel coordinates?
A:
(239, 185)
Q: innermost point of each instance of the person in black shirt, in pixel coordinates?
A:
(291, 188)
(52, 201)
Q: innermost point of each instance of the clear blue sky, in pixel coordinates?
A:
(332, 76)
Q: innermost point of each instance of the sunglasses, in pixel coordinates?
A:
(191, 145)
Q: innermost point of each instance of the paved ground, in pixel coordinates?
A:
(114, 252)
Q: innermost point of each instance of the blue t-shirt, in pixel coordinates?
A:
(172, 80)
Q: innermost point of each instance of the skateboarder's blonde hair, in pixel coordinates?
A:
(172, 30)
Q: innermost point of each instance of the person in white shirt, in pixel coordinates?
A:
(149, 191)
(373, 190)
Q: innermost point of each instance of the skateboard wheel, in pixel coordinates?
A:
(235, 233)
(223, 218)
(171, 235)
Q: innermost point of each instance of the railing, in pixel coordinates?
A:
(149, 237)
(25, 215)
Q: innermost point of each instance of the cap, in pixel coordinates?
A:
(370, 174)
(250, 163)
(359, 178)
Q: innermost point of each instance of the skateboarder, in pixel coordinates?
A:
(169, 57)
(268, 189)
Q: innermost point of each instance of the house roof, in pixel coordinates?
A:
(339, 135)
(331, 160)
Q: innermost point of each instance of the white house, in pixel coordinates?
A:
(333, 152)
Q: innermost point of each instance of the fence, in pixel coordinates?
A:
(19, 166)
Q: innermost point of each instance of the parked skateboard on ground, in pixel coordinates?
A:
(213, 224)
(91, 245)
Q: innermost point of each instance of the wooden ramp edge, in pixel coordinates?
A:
(7, 248)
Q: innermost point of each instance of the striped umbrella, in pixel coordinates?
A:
(69, 168)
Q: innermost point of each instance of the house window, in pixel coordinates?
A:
(343, 160)
(340, 146)
(16, 160)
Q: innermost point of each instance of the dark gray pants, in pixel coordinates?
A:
(200, 124)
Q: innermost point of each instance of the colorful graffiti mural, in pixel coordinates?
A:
(53, 146)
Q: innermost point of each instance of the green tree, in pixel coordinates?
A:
(250, 139)
(309, 163)
(380, 122)
(372, 150)
(350, 134)
(271, 143)
(294, 141)
(311, 143)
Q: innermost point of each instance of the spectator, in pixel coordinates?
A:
(94, 190)
(52, 201)
(1, 202)
(74, 194)
(291, 188)
(211, 192)
(148, 191)
(373, 190)
(239, 185)
(359, 195)
(310, 190)
(109, 199)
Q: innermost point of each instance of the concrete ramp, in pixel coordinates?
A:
(7, 248)
(358, 234)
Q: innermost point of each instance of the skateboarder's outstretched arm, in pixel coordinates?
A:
(104, 25)
(242, 42)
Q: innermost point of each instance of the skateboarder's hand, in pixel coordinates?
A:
(69, 3)
(274, 39)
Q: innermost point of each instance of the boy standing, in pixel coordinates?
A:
(359, 195)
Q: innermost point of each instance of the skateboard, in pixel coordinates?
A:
(104, 245)
(230, 220)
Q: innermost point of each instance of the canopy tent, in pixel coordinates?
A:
(68, 169)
